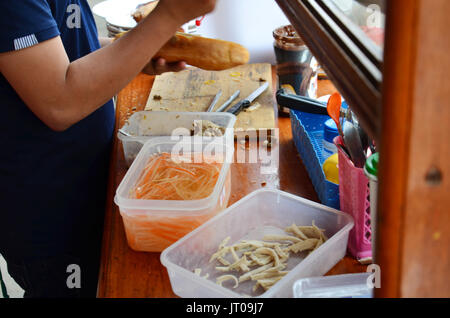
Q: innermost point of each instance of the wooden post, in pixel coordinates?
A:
(414, 195)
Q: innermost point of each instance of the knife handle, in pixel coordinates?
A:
(301, 103)
(237, 108)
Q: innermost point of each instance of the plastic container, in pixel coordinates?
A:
(308, 135)
(330, 132)
(337, 286)
(371, 171)
(180, 216)
(262, 212)
(355, 199)
(146, 125)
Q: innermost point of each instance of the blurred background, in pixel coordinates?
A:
(247, 22)
(101, 24)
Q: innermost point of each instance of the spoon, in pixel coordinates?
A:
(123, 132)
(365, 142)
(334, 110)
(353, 144)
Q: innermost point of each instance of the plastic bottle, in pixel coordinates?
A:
(330, 132)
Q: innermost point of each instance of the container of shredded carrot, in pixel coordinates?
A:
(172, 188)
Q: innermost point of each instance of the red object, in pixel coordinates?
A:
(198, 22)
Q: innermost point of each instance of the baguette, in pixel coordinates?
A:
(205, 53)
(144, 10)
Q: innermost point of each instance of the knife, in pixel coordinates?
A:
(229, 101)
(301, 103)
(245, 103)
(214, 102)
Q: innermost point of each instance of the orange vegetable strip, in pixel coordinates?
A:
(164, 179)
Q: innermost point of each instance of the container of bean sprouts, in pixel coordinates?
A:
(258, 247)
(174, 185)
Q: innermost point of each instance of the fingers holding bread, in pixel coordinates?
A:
(205, 53)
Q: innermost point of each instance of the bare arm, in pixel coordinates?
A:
(61, 93)
(104, 41)
(155, 66)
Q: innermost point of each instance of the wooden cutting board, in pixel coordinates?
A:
(194, 89)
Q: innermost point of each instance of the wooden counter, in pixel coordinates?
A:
(125, 273)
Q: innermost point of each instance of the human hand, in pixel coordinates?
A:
(159, 66)
(183, 11)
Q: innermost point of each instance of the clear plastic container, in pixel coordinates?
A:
(176, 216)
(146, 125)
(263, 212)
(338, 286)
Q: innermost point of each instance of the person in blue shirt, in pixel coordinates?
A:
(57, 119)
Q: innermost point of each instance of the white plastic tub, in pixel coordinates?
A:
(180, 216)
(256, 215)
(337, 286)
(146, 125)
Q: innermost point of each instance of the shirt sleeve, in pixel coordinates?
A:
(25, 23)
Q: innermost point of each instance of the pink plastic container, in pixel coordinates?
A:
(354, 195)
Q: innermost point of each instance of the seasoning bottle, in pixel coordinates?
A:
(330, 132)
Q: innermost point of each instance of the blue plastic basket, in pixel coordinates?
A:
(307, 130)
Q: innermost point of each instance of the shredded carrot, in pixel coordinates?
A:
(164, 179)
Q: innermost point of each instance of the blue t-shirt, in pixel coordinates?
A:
(52, 184)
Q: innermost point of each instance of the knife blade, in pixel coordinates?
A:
(245, 103)
(229, 101)
(214, 102)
